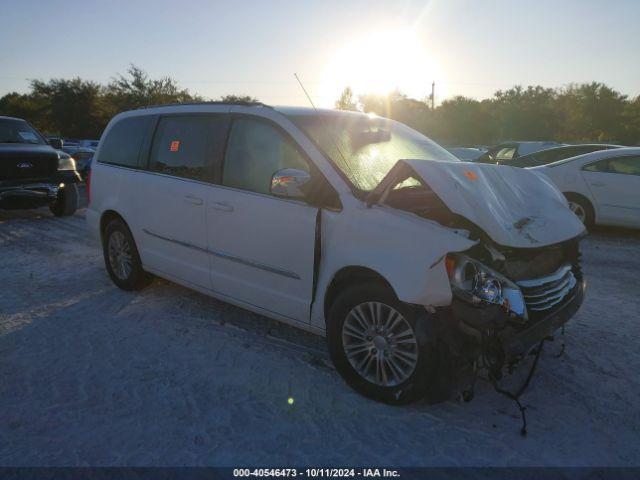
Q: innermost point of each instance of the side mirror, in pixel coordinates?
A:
(288, 183)
(56, 143)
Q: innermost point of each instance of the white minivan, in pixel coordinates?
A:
(417, 267)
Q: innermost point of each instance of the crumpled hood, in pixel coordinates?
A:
(514, 206)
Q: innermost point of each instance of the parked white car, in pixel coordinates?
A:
(602, 187)
(410, 261)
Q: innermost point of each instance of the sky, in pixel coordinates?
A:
(213, 48)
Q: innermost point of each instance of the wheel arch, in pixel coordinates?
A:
(351, 275)
(105, 218)
(585, 199)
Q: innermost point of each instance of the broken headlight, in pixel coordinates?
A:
(484, 284)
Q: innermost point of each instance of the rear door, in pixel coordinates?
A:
(615, 185)
(172, 195)
(262, 246)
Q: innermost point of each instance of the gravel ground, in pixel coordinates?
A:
(94, 376)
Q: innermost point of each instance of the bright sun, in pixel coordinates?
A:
(380, 63)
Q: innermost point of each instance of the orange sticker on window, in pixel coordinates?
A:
(470, 175)
(175, 146)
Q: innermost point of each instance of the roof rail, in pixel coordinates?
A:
(212, 102)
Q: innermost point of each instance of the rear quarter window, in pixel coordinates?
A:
(123, 142)
(629, 165)
(599, 166)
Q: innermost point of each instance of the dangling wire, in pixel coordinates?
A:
(562, 345)
(516, 396)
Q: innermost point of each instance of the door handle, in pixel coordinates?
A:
(597, 184)
(222, 206)
(193, 200)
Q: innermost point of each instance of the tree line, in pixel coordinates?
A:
(588, 112)
(79, 108)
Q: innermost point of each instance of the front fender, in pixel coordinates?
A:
(406, 250)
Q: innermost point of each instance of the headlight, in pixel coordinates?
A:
(484, 284)
(65, 162)
(488, 288)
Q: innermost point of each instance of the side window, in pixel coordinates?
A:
(601, 166)
(188, 146)
(555, 155)
(625, 165)
(582, 150)
(544, 157)
(122, 144)
(506, 153)
(256, 151)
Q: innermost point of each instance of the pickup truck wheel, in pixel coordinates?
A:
(121, 257)
(66, 203)
(380, 346)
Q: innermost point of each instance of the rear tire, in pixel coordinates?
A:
(67, 201)
(391, 365)
(121, 257)
(582, 208)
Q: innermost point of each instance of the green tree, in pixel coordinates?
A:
(346, 100)
(398, 106)
(22, 106)
(238, 99)
(463, 121)
(631, 123)
(524, 114)
(591, 112)
(383, 105)
(79, 108)
(138, 90)
(73, 107)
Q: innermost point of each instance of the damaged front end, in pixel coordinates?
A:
(521, 281)
(505, 303)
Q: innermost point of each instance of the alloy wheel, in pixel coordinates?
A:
(120, 257)
(578, 210)
(380, 344)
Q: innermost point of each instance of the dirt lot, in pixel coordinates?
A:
(91, 375)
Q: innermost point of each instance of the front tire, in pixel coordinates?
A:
(67, 201)
(121, 257)
(380, 345)
(582, 208)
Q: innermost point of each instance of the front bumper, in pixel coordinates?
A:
(516, 336)
(34, 193)
(29, 195)
(533, 332)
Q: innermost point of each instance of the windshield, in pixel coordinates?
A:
(18, 131)
(365, 148)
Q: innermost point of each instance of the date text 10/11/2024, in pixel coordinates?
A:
(317, 472)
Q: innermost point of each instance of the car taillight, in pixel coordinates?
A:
(88, 183)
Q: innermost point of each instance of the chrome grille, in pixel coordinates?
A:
(545, 292)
